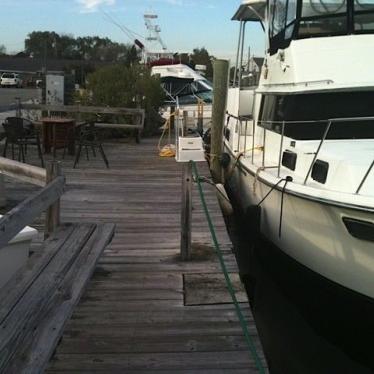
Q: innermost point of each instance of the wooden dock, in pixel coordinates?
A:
(144, 309)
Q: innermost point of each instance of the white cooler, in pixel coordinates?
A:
(15, 254)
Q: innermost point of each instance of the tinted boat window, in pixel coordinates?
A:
(317, 18)
(319, 108)
(282, 23)
(364, 15)
(323, 18)
(323, 26)
(313, 8)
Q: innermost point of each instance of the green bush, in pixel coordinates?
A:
(125, 86)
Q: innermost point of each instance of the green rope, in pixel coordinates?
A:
(230, 287)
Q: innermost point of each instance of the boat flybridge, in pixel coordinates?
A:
(301, 144)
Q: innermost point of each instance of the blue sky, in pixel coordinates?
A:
(185, 24)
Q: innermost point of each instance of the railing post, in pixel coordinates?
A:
(365, 178)
(253, 139)
(245, 137)
(280, 150)
(52, 218)
(327, 129)
(263, 151)
(186, 214)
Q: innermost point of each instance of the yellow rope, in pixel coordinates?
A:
(241, 154)
(167, 150)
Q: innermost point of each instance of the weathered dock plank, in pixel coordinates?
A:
(133, 316)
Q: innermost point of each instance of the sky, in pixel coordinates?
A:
(185, 24)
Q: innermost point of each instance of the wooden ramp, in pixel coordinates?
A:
(145, 310)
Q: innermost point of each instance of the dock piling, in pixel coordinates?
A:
(52, 219)
(186, 214)
(220, 87)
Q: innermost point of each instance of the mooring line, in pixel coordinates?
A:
(229, 285)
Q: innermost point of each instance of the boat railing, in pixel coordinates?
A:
(329, 123)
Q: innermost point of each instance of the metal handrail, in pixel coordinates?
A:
(337, 119)
(365, 177)
(328, 122)
(327, 129)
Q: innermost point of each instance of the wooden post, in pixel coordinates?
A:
(2, 191)
(220, 87)
(52, 217)
(200, 117)
(172, 117)
(185, 119)
(18, 107)
(186, 211)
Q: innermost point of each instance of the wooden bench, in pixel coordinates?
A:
(40, 298)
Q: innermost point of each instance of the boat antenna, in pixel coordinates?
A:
(129, 33)
(153, 30)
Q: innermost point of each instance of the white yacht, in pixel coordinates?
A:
(301, 144)
(187, 89)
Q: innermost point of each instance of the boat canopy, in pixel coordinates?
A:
(176, 80)
(251, 10)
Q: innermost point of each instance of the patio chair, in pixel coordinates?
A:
(88, 138)
(22, 133)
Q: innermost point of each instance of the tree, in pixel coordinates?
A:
(200, 56)
(42, 44)
(49, 44)
(126, 86)
(2, 50)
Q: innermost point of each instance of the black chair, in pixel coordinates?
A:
(22, 133)
(89, 138)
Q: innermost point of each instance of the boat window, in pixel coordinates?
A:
(323, 26)
(306, 115)
(318, 8)
(364, 15)
(279, 19)
(320, 17)
(291, 18)
(294, 19)
(282, 23)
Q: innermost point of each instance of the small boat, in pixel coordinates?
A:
(187, 89)
(300, 150)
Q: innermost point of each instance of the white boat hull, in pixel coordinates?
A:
(312, 233)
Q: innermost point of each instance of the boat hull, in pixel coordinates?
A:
(337, 312)
(312, 233)
(337, 318)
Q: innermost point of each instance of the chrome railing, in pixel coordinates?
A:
(329, 124)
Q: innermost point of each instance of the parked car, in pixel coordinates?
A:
(10, 80)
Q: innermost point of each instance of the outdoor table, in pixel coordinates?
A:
(58, 133)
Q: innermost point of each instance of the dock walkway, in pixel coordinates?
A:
(144, 309)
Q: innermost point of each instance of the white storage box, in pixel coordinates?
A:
(190, 149)
(15, 254)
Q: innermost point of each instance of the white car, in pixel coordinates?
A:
(10, 80)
